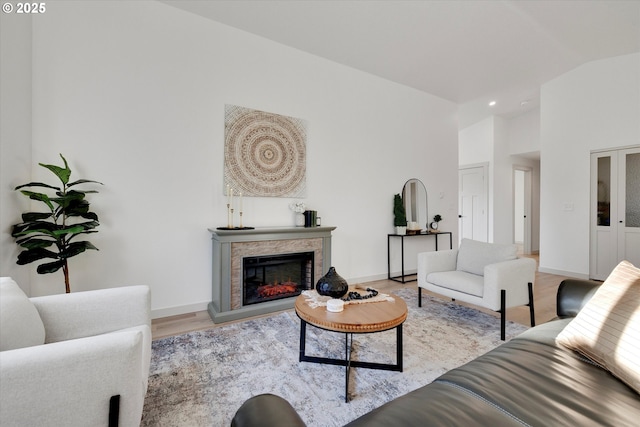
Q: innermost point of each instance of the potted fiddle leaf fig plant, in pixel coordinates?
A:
(54, 234)
(399, 215)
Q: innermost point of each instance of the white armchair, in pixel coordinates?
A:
(79, 359)
(485, 274)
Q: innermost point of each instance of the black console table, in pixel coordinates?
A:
(403, 277)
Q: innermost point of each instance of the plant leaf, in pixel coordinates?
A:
(83, 181)
(35, 254)
(35, 216)
(34, 227)
(70, 238)
(50, 267)
(89, 215)
(31, 243)
(37, 184)
(41, 197)
(63, 173)
(69, 199)
(76, 248)
(68, 230)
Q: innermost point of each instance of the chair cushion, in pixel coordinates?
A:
(460, 281)
(607, 329)
(20, 323)
(473, 255)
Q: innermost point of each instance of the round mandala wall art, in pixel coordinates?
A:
(264, 153)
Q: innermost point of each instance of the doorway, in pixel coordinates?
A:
(522, 208)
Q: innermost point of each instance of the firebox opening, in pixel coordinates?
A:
(272, 277)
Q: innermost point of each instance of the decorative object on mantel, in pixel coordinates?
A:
(264, 153)
(310, 218)
(434, 224)
(298, 208)
(399, 215)
(332, 284)
(230, 210)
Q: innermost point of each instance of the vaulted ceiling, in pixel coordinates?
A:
(469, 52)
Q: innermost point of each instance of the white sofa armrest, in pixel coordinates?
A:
(512, 276)
(431, 262)
(70, 383)
(84, 314)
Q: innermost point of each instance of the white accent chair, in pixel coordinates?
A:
(79, 359)
(488, 275)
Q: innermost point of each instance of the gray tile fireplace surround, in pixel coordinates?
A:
(229, 247)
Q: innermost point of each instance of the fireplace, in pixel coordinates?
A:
(303, 252)
(273, 277)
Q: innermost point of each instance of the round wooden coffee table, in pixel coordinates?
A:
(364, 318)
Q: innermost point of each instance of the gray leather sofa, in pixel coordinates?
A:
(528, 381)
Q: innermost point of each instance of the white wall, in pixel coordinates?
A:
(15, 135)
(524, 147)
(133, 94)
(595, 106)
(501, 143)
(502, 178)
(476, 143)
(524, 134)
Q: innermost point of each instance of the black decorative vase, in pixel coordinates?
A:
(332, 284)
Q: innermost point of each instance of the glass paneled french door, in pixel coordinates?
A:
(615, 210)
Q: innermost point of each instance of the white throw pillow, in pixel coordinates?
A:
(20, 323)
(607, 329)
(473, 255)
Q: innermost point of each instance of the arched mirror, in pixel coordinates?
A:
(414, 195)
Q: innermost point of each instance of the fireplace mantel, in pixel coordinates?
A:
(230, 246)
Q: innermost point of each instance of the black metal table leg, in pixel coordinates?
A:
(347, 360)
(402, 256)
(303, 339)
(399, 363)
(388, 257)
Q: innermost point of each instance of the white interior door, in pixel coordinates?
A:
(615, 210)
(473, 203)
(629, 212)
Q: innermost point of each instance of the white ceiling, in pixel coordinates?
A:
(468, 52)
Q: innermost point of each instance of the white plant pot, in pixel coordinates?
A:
(401, 230)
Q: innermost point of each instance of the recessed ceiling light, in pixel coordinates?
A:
(492, 103)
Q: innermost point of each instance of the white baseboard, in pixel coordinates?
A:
(365, 279)
(563, 273)
(178, 310)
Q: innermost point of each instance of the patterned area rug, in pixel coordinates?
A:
(202, 378)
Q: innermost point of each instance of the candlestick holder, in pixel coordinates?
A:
(230, 226)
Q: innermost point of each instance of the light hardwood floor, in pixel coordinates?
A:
(544, 297)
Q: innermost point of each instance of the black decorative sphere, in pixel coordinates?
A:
(332, 284)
